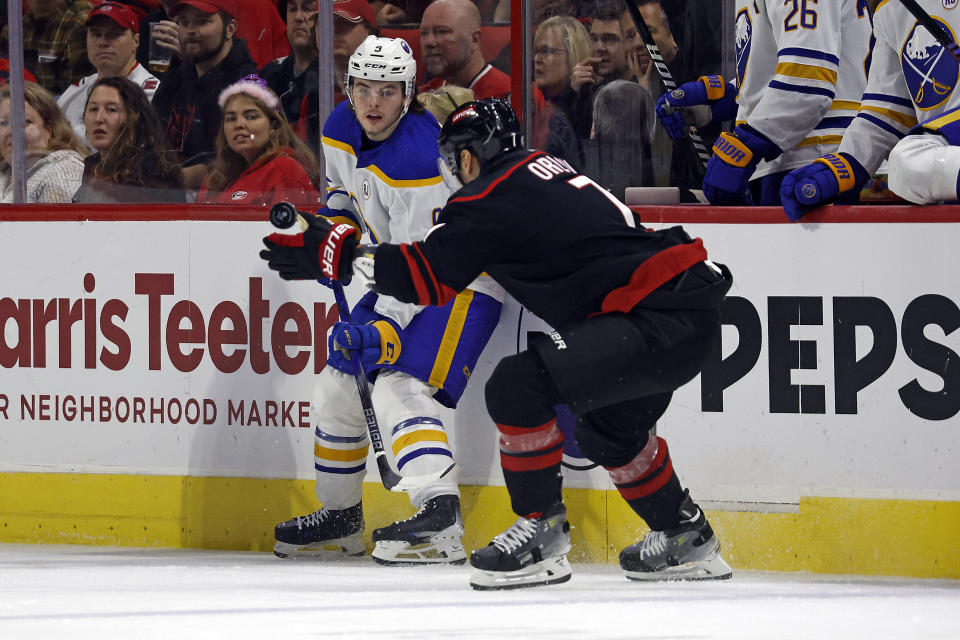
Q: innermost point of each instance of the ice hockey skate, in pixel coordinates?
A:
(530, 553)
(689, 551)
(326, 533)
(433, 535)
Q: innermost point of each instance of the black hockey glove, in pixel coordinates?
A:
(324, 250)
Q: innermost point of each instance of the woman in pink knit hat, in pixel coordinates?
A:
(259, 158)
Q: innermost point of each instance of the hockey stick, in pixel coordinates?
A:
(666, 77)
(934, 27)
(284, 215)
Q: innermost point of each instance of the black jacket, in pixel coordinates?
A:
(187, 104)
(281, 78)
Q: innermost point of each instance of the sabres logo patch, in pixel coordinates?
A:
(931, 73)
(743, 36)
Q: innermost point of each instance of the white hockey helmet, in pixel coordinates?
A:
(384, 60)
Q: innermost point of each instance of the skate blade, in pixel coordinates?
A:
(553, 570)
(351, 546)
(711, 568)
(440, 549)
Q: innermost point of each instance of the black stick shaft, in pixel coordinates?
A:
(656, 58)
(283, 215)
(934, 27)
(388, 476)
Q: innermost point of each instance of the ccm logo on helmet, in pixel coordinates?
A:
(329, 253)
(463, 114)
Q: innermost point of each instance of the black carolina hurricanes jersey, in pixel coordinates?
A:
(556, 241)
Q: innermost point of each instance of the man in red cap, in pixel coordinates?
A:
(353, 21)
(112, 39)
(187, 98)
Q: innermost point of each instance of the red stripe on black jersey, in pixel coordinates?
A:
(653, 479)
(519, 431)
(500, 179)
(532, 460)
(441, 294)
(653, 273)
(419, 283)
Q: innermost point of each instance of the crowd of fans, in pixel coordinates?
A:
(594, 87)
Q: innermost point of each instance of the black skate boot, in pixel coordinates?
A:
(689, 551)
(530, 553)
(327, 532)
(433, 535)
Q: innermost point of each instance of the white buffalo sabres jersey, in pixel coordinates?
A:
(912, 78)
(392, 190)
(801, 69)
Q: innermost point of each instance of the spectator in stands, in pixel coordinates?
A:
(618, 155)
(675, 164)
(54, 163)
(112, 37)
(637, 56)
(54, 49)
(559, 43)
(259, 158)
(5, 72)
(353, 21)
(450, 43)
(132, 162)
(259, 25)
(292, 76)
(186, 101)
(608, 60)
(168, 36)
(399, 11)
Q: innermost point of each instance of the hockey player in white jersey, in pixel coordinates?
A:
(801, 68)
(924, 167)
(912, 79)
(384, 178)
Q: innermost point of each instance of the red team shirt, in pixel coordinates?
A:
(266, 181)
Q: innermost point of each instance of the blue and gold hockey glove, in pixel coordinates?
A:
(710, 90)
(820, 182)
(374, 343)
(735, 157)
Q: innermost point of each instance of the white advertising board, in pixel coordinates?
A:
(169, 348)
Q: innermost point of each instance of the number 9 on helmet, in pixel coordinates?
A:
(486, 128)
(384, 60)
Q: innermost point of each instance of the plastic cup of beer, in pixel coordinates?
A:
(159, 61)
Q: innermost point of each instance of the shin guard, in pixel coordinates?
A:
(650, 486)
(530, 458)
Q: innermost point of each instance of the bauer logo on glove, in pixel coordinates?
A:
(332, 246)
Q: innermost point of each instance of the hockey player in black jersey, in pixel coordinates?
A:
(635, 312)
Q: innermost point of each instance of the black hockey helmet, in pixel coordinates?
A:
(486, 127)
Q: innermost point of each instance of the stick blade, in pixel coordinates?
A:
(395, 482)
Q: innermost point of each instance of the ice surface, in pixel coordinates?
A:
(69, 592)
